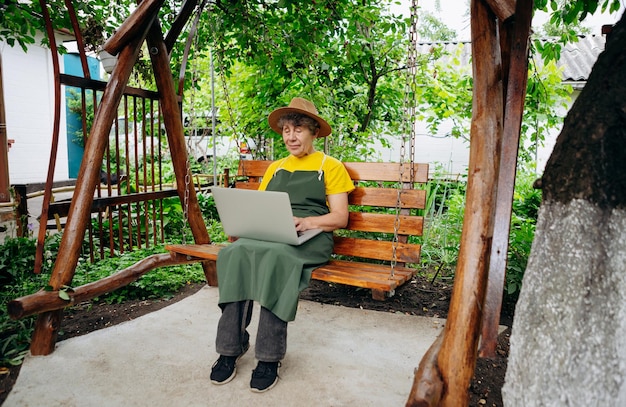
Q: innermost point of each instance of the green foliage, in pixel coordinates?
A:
(547, 98)
(565, 22)
(431, 29)
(18, 25)
(20, 21)
(350, 67)
(526, 202)
(75, 105)
(207, 206)
(17, 260)
(443, 223)
(17, 257)
(444, 90)
(14, 338)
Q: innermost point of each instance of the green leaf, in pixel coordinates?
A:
(64, 295)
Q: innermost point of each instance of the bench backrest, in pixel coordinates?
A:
(373, 208)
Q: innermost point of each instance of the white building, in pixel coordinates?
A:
(28, 84)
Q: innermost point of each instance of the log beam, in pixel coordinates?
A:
(513, 112)
(428, 386)
(457, 358)
(45, 301)
(503, 9)
(179, 23)
(133, 26)
(176, 141)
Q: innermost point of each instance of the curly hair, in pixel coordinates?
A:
(299, 119)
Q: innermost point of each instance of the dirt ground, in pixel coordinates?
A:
(418, 297)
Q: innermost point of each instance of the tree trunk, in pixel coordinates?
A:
(568, 345)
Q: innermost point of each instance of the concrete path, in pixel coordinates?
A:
(337, 356)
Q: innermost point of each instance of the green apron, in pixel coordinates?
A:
(273, 274)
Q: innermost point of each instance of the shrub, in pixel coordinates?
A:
(444, 221)
(526, 202)
(17, 256)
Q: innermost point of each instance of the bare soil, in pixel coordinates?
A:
(418, 297)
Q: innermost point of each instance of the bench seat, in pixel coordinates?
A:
(359, 274)
(366, 248)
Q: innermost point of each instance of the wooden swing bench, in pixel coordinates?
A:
(364, 250)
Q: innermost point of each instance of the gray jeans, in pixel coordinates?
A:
(232, 336)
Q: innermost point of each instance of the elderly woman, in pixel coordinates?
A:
(273, 274)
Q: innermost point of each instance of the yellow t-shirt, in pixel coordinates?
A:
(336, 177)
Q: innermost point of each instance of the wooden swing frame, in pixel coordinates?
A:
(500, 32)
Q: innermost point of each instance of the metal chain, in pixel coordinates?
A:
(408, 129)
(412, 80)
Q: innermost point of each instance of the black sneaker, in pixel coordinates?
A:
(225, 368)
(264, 377)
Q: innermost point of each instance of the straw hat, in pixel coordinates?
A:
(303, 106)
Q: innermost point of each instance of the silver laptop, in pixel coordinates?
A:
(260, 215)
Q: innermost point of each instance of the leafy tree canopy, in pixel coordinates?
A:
(348, 56)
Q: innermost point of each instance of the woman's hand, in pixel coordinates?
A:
(336, 219)
(303, 224)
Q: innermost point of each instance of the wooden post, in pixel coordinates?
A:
(176, 140)
(514, 109)
(457, 357)
(43, 218)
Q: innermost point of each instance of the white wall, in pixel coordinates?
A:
(448, 153)
(449, 156)
(29, 106)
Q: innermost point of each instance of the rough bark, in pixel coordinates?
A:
(589, 158)
(568, 344)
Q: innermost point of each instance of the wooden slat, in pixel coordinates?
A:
(385, 223)
(353, 279)
(62, 208)
(377, 277)
(370, 270)
(357, 170)
(405, 252)
(84, 83)
(366, 275)
(376, 249)
(253, 168)
(386, 171)
(388, 197)
(247, 185)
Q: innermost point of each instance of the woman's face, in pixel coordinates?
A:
(298, 139)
